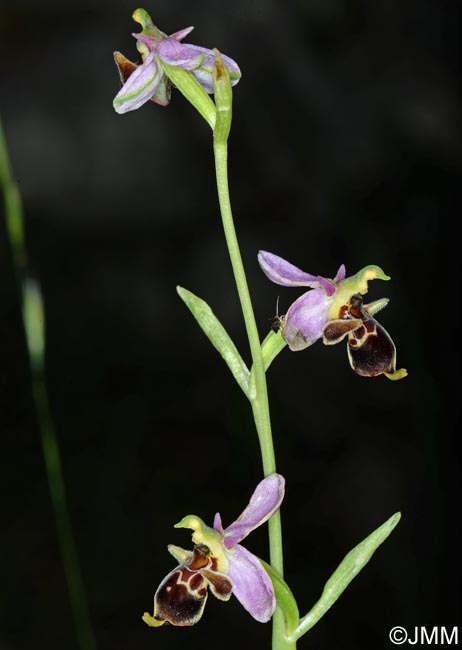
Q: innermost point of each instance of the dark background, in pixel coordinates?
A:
(345, 148)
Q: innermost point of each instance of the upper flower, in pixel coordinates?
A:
(220, 562)
(332, 310)
(148, 81)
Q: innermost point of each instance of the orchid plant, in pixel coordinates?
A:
(331, 310)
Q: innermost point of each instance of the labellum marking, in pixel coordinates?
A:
(180, 598)
(371, 350)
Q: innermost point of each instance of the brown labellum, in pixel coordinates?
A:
(124, 66)
(371, 350)
(181, 596)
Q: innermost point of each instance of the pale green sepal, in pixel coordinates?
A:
(188, 85)
(344, 574)
(223, 94)
(218, 336)
(284, 597)
(151, 621)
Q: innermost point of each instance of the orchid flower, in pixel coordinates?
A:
(148, 81)
(332, 310)
(220, 563)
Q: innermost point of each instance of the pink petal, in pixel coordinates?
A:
(150, 42)
(251, 584)
(305, 319)
(340, 274)
(179, 36)
(182, 56)
(327, 284)
(139, 87)
(263, 503)
(218, 526)
(282, 272)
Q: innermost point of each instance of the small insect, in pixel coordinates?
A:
(371, 350)
(181, 596)
(277, 321)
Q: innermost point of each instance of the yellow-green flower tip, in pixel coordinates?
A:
(192, 522)
(203, 534)
(142, 17)
(398, 374)
(358, 282)
(151, 621)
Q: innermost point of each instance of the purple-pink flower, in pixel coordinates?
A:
(220, 563)
(148, 81)
(333, 309)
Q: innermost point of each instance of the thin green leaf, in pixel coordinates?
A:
(218, 336)
(348, 569)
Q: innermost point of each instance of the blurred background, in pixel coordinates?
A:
(345, 148)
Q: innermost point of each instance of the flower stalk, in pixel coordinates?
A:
(259, 396)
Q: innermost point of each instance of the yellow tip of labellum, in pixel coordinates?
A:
(151, 621)
(398, 374)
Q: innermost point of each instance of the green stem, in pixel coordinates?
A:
(259, 397)
(34, 331)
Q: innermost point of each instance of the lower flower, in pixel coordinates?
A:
(181, 596)
(219, 563)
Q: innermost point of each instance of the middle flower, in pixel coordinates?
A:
(333, 310)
